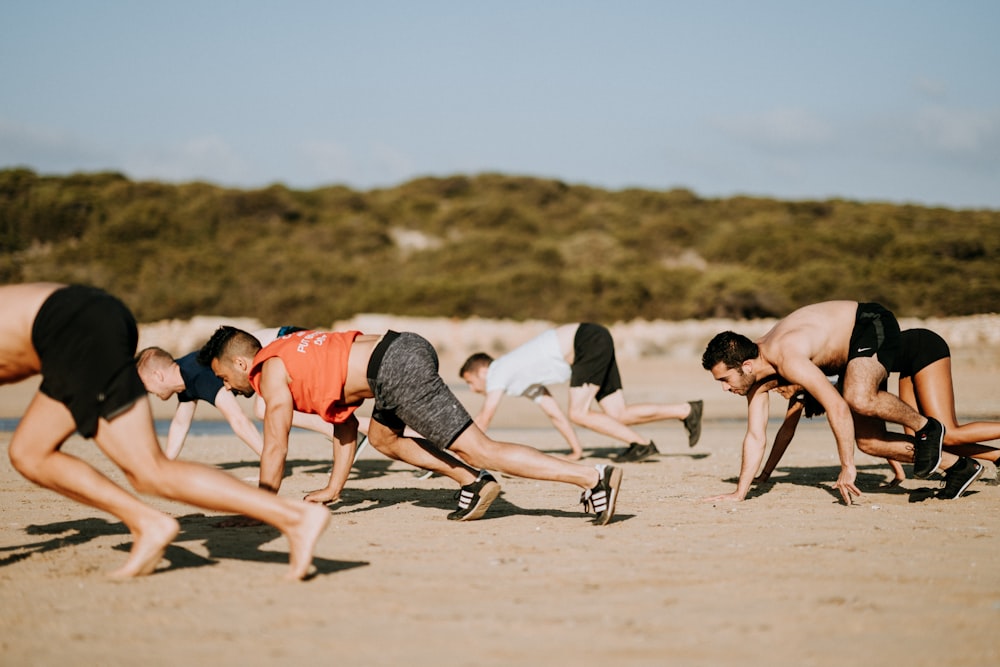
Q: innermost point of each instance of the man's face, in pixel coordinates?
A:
(235, 375)
(737, 380)
(476, 380)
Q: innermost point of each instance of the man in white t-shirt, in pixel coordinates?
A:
(582, 354)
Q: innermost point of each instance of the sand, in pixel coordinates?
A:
(788, 577)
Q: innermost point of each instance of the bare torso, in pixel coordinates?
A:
(820, 332)
(356, 386)
(19, 304)
(566, 334)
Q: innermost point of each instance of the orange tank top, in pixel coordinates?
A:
(316, 362)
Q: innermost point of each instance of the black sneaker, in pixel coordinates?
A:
(958, 478)
(601, 499)
(927, 448)
(693, 422)
(626, 455)
(474, 499)
(637, 452)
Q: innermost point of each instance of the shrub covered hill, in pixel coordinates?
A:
(491, 245)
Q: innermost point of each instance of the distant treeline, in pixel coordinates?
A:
(491, 245)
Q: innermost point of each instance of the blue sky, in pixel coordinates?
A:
(876, 101)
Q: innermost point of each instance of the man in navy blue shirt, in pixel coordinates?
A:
(165, 376)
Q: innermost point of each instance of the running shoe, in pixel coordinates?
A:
(601, 499)
(693, 422)
(927, 448)
(958, 478)
(637, 452)
(474, 499)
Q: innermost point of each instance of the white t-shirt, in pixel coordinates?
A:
(537, 362)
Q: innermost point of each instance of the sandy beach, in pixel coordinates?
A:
(789, 577)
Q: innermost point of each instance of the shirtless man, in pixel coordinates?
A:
(332, 373)
(584, 355)
(811, 343)
(81, 340)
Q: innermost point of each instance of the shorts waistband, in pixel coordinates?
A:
(375, 362)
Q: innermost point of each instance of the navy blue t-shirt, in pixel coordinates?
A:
(200, 383)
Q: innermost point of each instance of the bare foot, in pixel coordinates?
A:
(572, 456)
(323, 496)
(302, 539)
(149, 541)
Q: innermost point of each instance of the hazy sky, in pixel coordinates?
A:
(871, 100)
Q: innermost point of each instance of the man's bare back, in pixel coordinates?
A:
(820, 332)
(19, 304)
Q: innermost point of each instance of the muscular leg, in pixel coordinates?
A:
(130, 442)
(874, 439)
(641, 413)
(934, 395)
(580, 413)
(861, 391)
(35, 453)
(417, 452)
(481, 451)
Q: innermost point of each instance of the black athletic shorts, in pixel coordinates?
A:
(594, 360)
(86, 341)
(876, 332)
(403, 375)
(918, 349)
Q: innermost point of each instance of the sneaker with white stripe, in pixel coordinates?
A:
(602, 498)
(474, 499)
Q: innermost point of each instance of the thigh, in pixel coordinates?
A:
(581, 397)
(129, 439)
(863, 378)
(45, 426)
(935, 393)
(613, 404)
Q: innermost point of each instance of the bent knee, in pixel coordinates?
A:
(25, 461)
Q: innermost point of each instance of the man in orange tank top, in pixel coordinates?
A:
(332, 373)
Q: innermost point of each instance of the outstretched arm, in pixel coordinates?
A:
(754, 444)
(489, 409)
(238, 420)
(838, 414)
(179, 427)
(782, 439)
(345, 444)
(277, 423)
(559, 419)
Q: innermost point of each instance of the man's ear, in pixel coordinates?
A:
(747, 367)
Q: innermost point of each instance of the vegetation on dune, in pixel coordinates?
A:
(491, 245)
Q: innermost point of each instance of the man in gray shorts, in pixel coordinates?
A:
(332, 373)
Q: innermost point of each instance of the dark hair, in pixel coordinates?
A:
(730, 348)
(225, 342)
(473, 363)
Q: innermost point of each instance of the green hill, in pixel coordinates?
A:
(490, 245)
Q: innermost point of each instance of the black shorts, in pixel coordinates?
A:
(86, 341)
(594, 360)
(403, 375)
(876, 333)
(918, 349)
